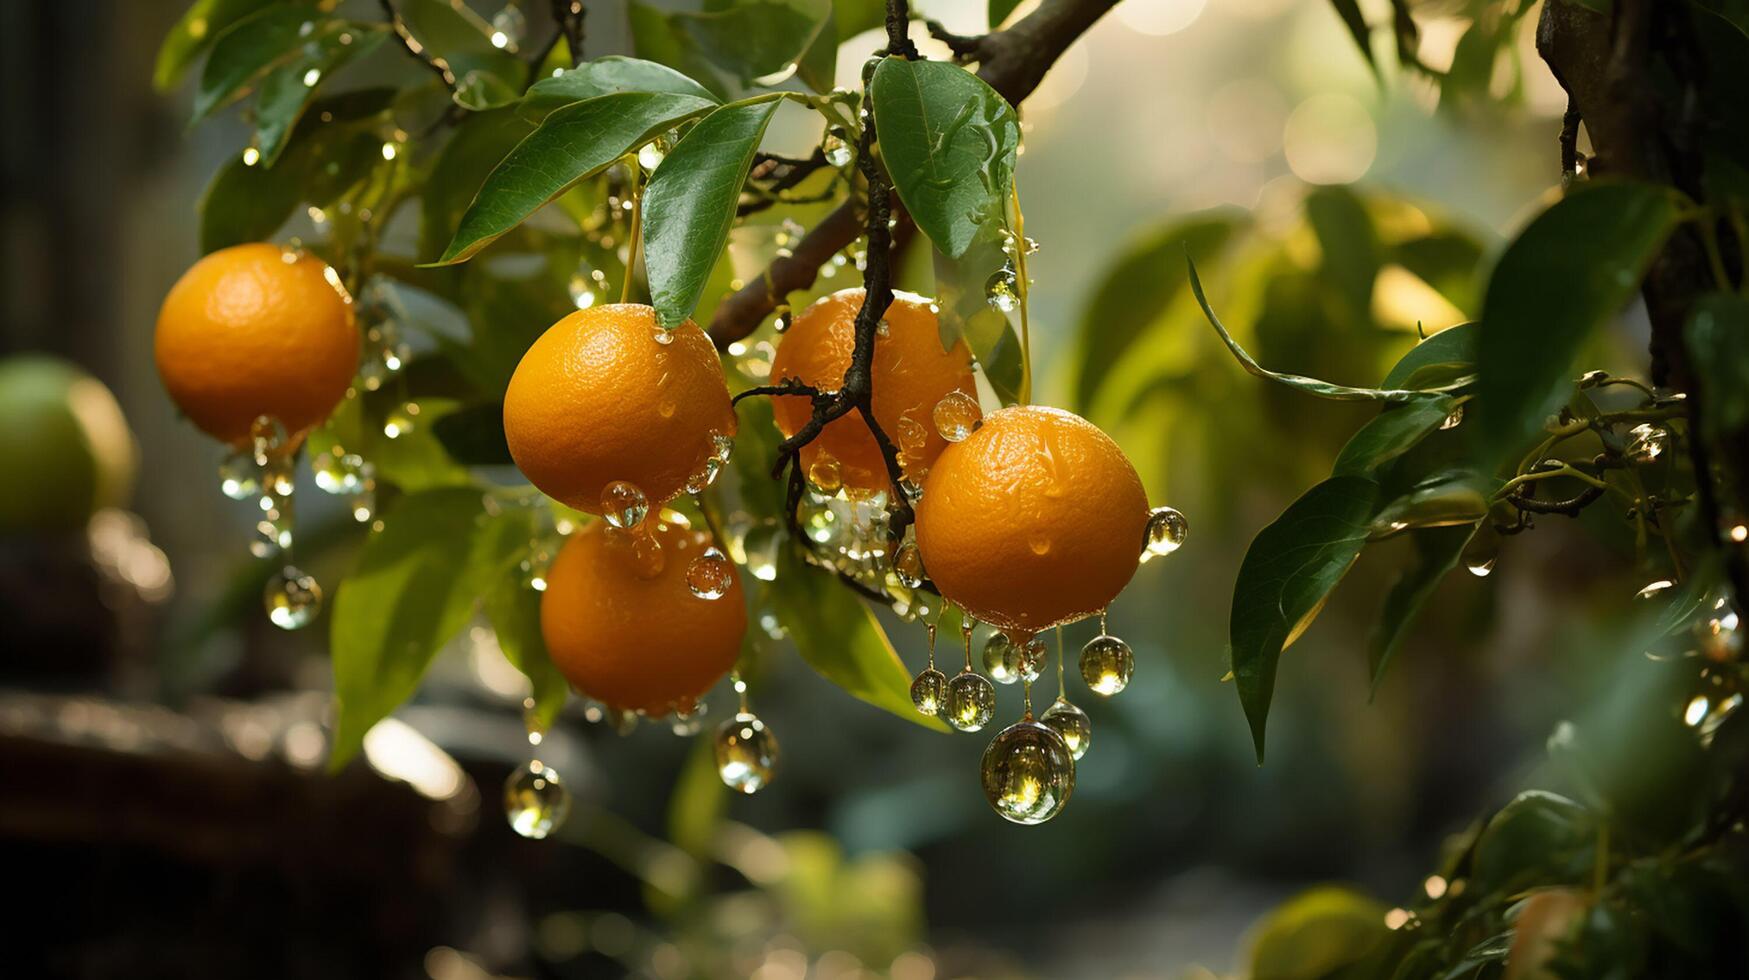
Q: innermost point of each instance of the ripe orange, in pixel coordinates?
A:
(599, 398)
(632, 639)
(1036, 519)
(256, 330)
(911, 373)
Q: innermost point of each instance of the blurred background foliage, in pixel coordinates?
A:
(1333, 218)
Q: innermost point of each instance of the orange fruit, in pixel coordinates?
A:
(599, 398)
(911, 373)
(1036, 519)
(633, 637)
(256, 330)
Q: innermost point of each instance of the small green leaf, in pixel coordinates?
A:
(1397, 430)
(837, 634)
(1139, 288)
(1317, 933)
(513, 609)
(463, 39)
(690, 204)
(1539, 838)
(1718, 348)
(605, 76)
(198, 27)
(246, 204)
(1355, 21)
(1577, 263)
(949, 141)
(290, 89)
(249, 49)
(575, 142)
(408, 594)
(1288, 572)
(733, 44)
(1451, 346)
(1437, 551)
(1440, 500)
(1313, 386)
(998, 11)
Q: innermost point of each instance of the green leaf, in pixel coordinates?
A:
(1733, 12)
(513, 609)
(1313, 935)
(605, 76)
(1139, 288)
(1313, 386)
(1288, 572)
(1578, 263)
(998, 11)
(1397, 430)
(248, 50)
(818, 68)
(408, 594)
(290, 89)
(452, 31)
(1717, 337)
(1449, 497)
(474, 435)
(966, 313)
(837, 634)
(1453, 345)
(1355, 21)
(1538, 839)
(949, 141)
(480, 141)
(1350, 245)
(575, 142)
(246, 204)
(1437, 551)
(690, 204)
(198, 27)
(731, 45)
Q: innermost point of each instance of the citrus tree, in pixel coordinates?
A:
(645, 458)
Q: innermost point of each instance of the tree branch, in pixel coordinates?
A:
(414, 48)
(1013, 62)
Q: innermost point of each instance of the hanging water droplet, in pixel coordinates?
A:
(722, 447)
(293, 598)
(703, 477)
(1654, 590)
(1071, 724)
(1480, 568)
(781, 322)
(1455, 419)
(913, 437)
(239, 477)
(1028, 773)
(1167, 529)
(663, 336)
(266, 437)
(624, 505)
(689, 719)
(746, 753)
(339, 473)
(819, 522)
(1106, 664)
(1646, 442)
(971, 701)
(957, 415)
(710, 575)
(651, 155)
(929, 691)
(401, 420)
(836, 148)
(1002, 290)
(825, 474)
(1002, 659)
(908, 565)
(1032, 659)
(759, 549)
(535, 801)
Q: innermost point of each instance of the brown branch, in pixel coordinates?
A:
(1013, 62)
(569, 15)
(415, 49)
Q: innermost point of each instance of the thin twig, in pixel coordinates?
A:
(569, 15)
(415, 49)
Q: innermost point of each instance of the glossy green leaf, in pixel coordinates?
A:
(1454, 346)
(998, 11)
(1312, 386)
(1717, 337)
(1317, 933)
(818, 68)
(480, 141)
(572, 143)
(949, 141)
(463, 39)
(291, 88)
(409, 593)
(1577, 264)
(1437, 551)
(1439, 500)
(1139, 287)
(605, 76)
(246, 204)
(249, 49)
(513, 608)
(1397, 430)
(1288, 572)
(837, 634)
(690, 204)
(732, 45)
(195, 30)
(1539, 838)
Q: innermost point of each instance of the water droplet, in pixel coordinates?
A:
(509, 27)
(689, 719)
(266, 437)
(339, 473)
(400, 420)
(710, 576)
(1028, 773)
(1039, 543)
(746, 753)
(722, 447)
(929, 691)
(913, 437)
(1032, 659)
(239, 477)
(663, 336)
(825, 474)
(1480, 568)
(1455, 419)
(908, 565)
(1106, 665)
(1653, 590)
(1002, 290)
(1167, 529)
(703, 477)
(1072, 724)
(293, 598)
(1646, 442)
(957, 415)
(651, 155)
(971, 701)
(1002, 658)
(535, 802)
(624, 504)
